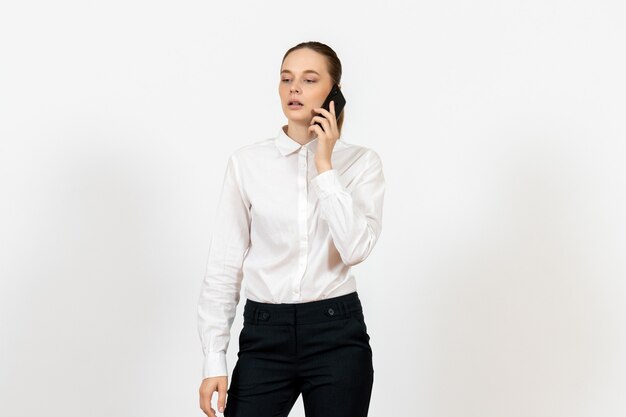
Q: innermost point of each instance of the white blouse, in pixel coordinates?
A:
(291, 245)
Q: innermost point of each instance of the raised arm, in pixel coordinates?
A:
(354, 219)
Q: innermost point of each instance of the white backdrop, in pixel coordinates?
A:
(497, 287)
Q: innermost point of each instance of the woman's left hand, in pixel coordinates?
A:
(327, 137)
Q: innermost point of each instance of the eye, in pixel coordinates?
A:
(310, 81)
(285, 79)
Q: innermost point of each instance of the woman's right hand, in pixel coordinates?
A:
(210, 385)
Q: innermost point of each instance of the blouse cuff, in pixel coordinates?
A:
(214, 365)
(327, 183)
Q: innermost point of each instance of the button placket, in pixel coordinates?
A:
(302, 216)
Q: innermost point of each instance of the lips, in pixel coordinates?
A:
(295, 104)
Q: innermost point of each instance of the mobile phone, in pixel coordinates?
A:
(336, 96)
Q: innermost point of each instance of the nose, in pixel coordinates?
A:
(293, 88)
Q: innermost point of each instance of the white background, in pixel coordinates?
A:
(497, 287)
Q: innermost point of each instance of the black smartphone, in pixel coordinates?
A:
(336, 96)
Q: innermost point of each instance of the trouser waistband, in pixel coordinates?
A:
(334, 308)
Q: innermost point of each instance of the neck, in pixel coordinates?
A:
(299, 132)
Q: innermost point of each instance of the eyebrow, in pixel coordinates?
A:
(305, 71)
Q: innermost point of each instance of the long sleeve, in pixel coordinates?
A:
(220, 289)
(354, 219)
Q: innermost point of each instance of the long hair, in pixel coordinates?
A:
(333, 64)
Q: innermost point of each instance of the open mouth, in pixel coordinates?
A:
(295, 104)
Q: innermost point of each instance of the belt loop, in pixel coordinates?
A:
(255, 318)
(346, 309)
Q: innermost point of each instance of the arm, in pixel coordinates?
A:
(354, 220)
(219, 296)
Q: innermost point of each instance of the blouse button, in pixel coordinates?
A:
(331, 311)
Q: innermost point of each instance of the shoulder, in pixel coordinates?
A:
(251, 150)
(365, 153)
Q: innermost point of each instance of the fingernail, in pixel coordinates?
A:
(221, 409)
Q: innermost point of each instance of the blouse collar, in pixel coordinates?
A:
(286, 145)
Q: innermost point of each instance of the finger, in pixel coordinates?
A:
(221, 397)
(318, 130)
(324, 112)
(332, 119)
(208, 410)
(205, 402)
(331, 132)
(318, 119)
(324, 121)
(334, 125)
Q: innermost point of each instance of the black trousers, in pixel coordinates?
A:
(319, 349)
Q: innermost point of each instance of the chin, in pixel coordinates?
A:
(298, 116)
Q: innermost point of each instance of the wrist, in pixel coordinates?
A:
(323, 166)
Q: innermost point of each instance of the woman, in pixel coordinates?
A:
(295, 213)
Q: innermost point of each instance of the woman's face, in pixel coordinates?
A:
(304, 78)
